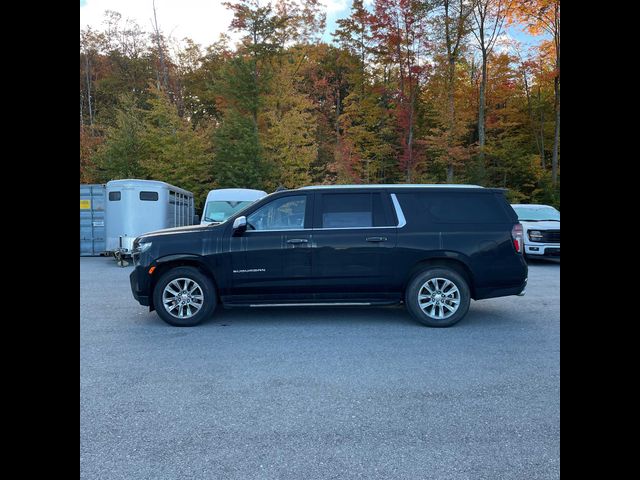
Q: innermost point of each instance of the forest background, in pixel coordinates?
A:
(406, 91)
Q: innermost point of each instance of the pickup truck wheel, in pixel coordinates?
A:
(184, 297)
(438, 297)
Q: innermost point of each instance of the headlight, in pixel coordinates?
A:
(535, 235)
(144, 247)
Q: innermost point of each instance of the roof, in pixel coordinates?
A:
(235, 194)
(530, 205)
(398, 185)
(138, 183)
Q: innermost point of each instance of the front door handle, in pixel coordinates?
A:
(376, 239)
(298, 240)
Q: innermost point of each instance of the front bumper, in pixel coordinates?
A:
(140, 285)
(542, 249)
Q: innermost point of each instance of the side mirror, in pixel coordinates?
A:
(239, 225)
(196, 219)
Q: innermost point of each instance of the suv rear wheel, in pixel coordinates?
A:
(438, 297)
(184, 297)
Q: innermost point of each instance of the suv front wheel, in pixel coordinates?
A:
(184, 297)
(438, 297)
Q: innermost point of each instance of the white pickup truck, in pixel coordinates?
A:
(541, 225)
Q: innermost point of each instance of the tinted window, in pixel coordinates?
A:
(149, 196)
(462, 208)
(438, 208)
(352, 210)
(285, 213)
(114, 196)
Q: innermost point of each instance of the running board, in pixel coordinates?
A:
(325, 304)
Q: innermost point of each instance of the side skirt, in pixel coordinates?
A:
(312, 304)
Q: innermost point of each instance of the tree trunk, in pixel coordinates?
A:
(163, 66)
(450, 173)
(481, 119)
(556, 103)
(556, 136)
(542, 153)
(452, 113)
(88, 76)
(531, 117)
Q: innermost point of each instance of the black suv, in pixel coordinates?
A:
(435, 247)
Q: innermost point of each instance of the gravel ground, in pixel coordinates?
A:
(311, 393)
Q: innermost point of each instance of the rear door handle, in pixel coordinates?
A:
(376, 239)
(298, 240)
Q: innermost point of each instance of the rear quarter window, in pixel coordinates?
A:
(453, 208)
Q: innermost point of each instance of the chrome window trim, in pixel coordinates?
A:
(279, 230)
(400, 214)
(353, 228)
(396, 205)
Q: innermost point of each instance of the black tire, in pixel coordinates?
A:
(415, 285)
(209, 300)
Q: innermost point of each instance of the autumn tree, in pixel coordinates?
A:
(259, 26)
(400, 30)
(289, 139)
(403, 94)
(174, 151)
(543, 16)
(488, 21)
(453, 26)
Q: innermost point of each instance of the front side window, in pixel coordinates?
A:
(352, 210)
(286, 213)
(220, 210)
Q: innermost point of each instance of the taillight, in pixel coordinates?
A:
(517, 233)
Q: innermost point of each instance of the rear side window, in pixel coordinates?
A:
(114, 196)
(441, 208)
(352, 210)
(149, 196)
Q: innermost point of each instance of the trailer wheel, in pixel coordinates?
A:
(184, 297)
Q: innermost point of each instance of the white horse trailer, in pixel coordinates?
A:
(135, 207)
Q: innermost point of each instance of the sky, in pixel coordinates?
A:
(204, 20)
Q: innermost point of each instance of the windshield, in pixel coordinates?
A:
(220, 210)
(533, 214)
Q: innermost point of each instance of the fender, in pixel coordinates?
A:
(187, 259)
(444, 257)
(183, 259)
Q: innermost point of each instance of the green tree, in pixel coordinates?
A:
(289, 140)
(238, 154)
(123, 152)
(174, 151)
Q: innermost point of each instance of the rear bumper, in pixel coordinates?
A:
(516, 286)
(502, 291)
(140, 286)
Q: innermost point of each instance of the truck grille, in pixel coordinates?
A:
(550, 236)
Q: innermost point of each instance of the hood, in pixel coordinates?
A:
(179, 230)
(544, 225)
